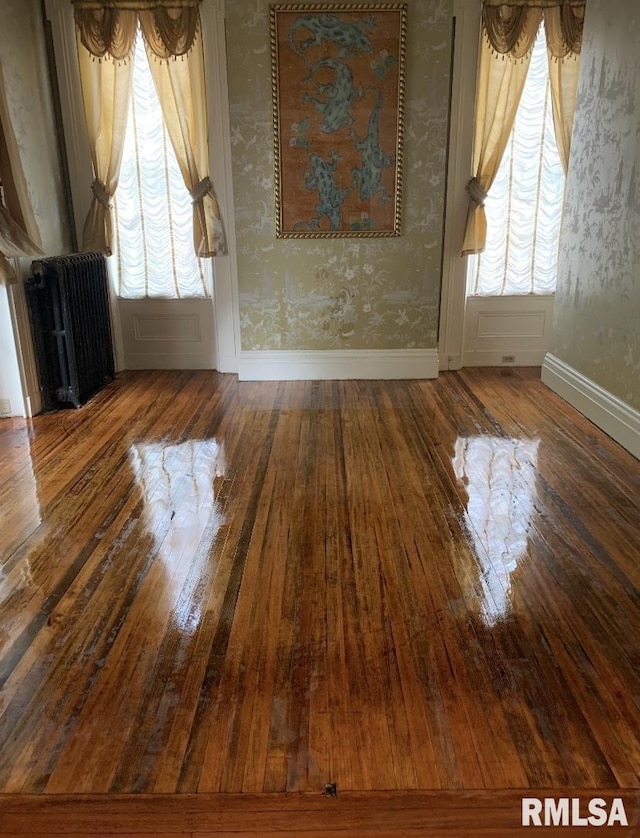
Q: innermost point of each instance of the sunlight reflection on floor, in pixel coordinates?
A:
(499, 478)
(178, 484)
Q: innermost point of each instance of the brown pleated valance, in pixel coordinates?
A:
(511, 26)
(108, 27)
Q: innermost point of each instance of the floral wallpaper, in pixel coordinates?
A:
(380, 293)
(598, 295)
(24, 65)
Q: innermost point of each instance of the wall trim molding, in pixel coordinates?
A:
(493, 357)
(453, 298)
(224, 268)
(167, 361)
(25, 352)
(615, 417)
(331, 364)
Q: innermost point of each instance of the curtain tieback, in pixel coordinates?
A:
(476, 192)
(200, 190)
(100, 194)
(7, 271)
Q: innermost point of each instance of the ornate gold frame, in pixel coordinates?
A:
(317, 57)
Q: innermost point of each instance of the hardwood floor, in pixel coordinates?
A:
(211, 587)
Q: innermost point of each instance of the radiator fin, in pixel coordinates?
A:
(69, 305)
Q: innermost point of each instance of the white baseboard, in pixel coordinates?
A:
(227, 363)
(330, 364)
(494, 357)
(608, 412)
(168, 361)
(33, 405)
(450, 362)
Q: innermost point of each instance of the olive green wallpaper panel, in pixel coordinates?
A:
(598, 294)
(379, 293)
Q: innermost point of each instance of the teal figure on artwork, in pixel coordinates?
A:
(382, 64)
(338, 95)
(365, 222)
(374, 160)
(330, 197)
(349, 37)
(300, 134)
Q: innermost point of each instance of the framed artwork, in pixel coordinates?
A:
(338, 99)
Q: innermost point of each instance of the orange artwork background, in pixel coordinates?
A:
(338, 119)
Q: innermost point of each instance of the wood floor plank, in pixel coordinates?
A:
(438, 813)
(549, 547)
(212, 587)
(109, 834)
(266, 614)
(409, 498)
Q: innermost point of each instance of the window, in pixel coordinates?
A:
(524, 206)
(153, 247)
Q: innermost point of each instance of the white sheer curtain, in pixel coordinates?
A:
(524, 205)
(19, 234)
(153, 252)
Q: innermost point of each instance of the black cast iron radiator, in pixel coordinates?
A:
(69, 305)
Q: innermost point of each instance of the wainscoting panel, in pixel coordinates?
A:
(167, 334)
(507, 331)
